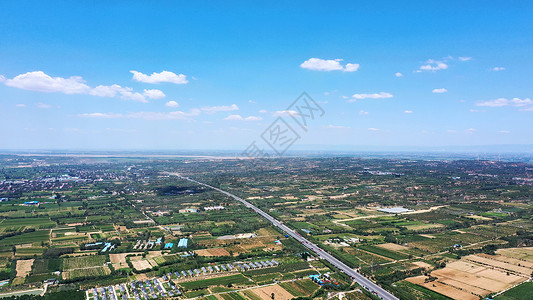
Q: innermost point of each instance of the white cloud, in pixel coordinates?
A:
(503, 131)
(470, 130)
(41, 82)
(362, 112)
(465, 58)
(253, 118)
(498, 69)
(330, 126)
(154, 94)
(164, 76)
(172, 103)
(251, 101)
(21, 105)
(2, 78)
(108, 90)
(173, 115)
(351, 67)
(263, 111)
(398, 74)
(318, 64)
(439, 91)
(43, 105)
(101, 115)
(517, 102)
(451, 130)
(214, 109)
(433, 65)
(380, 95)
(115, 90)
(408, 112)
(240, 118)
(280, 113)
(374, 129)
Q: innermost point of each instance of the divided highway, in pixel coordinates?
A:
(363, 281)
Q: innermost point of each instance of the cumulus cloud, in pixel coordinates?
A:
(108, 90)
(517, 102)
(465, 58)
(172, 103)
(433, 65)
(214, 109)
(408, 112)
(281, 113)
(380, 95)
(101, 115)
(240, 118)
(318, 64)
(173, 115)
(41, 82)
(330, 126)
(116, 90)
(164, 76)
(439, 91)
(351, 67)
(154, 94)
(498, 69)
(398, 74)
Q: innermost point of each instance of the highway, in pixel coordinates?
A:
(363, 281)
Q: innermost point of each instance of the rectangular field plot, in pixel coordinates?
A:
(86, 273)
(233, 279)
(300, 288)
(26, 238)
(478, 274)
(25, 223)
(79, 262)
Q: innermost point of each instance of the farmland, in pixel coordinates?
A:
(123, 220)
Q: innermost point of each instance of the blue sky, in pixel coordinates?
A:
(215, 75)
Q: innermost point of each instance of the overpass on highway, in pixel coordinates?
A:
(360, 279)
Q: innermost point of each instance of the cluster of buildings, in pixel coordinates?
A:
(164, 287)
(323, 279)
(147, 244)
(107, 246)
(218, 207)
(147, 289)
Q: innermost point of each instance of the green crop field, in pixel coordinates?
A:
(383, 252)
(521, 292)
(43, 266)
(26, 238)
(86, 273)
(300, 288)
(233, 279)
(79, 262)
